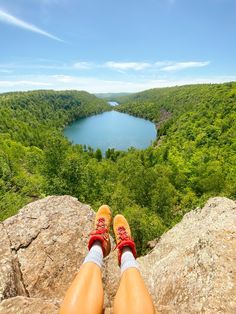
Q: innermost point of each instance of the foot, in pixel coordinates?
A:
(101, 229)
(123, 236)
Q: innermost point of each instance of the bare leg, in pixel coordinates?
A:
(85, 295)
(132, 296)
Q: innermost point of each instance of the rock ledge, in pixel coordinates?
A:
(192, 268)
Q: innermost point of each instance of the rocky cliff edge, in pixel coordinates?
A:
(192, 268)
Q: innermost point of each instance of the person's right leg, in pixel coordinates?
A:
(85, 295)
(132, 296)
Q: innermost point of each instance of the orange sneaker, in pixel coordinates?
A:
(101, 229)
(123, 236)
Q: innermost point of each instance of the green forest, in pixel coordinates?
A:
(192, 159)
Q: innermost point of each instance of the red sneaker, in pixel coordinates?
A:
(123, 236)
(102, 227)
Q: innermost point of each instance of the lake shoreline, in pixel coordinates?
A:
(112, 129)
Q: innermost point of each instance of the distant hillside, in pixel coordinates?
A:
(176, 100)
(111, 96)
(26, 116)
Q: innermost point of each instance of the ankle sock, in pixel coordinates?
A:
(127, 259)
(95, 254)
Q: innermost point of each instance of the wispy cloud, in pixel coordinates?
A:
(97, 85)
(166, 66)
(123, 66)
(83, 65)
(28, 84)
(176, 66)
(10, 19)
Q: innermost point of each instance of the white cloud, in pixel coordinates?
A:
(22, 84)
(166, 66)
(160, 64)
(122, 66)
(10, 19)
(176, 66)
(83, 65)
(96, 85)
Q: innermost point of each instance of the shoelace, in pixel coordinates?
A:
(100, 223)
(100, 226)
(122, 234)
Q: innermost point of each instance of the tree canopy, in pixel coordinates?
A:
(192, 159)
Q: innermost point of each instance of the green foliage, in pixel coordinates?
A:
(193, 158)
(31, 144)
(10, 202)
(98, 154)
(145, 226)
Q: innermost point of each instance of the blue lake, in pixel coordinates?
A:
(113, 103)
(111, 130)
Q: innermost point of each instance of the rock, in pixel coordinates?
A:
(43, 248)
(49, 238)
(10, 275)
(26, 305)
(191, 269)
(151, 244)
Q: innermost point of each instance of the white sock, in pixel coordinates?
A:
(95, 254)
(127, 259)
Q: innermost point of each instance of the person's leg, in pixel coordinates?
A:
(132, 296)
(85, 295)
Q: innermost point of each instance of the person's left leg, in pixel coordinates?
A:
(85, 295)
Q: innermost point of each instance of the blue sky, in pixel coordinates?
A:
(115, 46)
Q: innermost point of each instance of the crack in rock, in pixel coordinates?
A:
(24, 246)
(19, 285)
